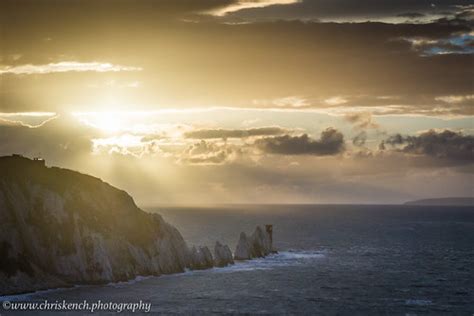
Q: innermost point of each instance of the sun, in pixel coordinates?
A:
(108, 122)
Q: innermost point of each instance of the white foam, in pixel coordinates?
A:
(289, 255)
(418, 302)
(284, 258)
(281, 259)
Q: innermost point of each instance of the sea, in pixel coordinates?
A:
(331, 260)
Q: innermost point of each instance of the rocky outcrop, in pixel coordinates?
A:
(243, 249)
(200, 258)
(258, 245)
(59, 227)
(222, 255)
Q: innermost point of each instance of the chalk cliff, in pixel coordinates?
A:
(59, 227)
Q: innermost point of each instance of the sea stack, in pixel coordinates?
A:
(222, 255)
(200, 258)
(258, 245)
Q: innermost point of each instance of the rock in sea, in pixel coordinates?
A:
(201, 258)
(222, 255)
(258, 245)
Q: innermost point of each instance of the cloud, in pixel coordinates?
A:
(438, 144)
(285, 102)
(456, 99)
(216, 158)
(335, 101)
(64, 66)
(27, 119)
(458, 44)
(392, 11)
(65, 11)
(312, 67)
(361, 120)
(360, 139)
(234, 133)
(330, 143)
(61, 139)
(125, 144)
(250, 4)
(205, 153)
(411, 15)
(286, 177)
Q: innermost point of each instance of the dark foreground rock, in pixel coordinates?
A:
(59, 228)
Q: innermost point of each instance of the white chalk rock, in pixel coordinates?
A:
(222, 255)
(200, 258)
(258, 245)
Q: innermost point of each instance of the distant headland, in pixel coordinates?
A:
(450, 201)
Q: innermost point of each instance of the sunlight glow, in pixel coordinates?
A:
(108, 122)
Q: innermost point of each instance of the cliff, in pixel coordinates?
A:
(60, 227)
(453, 201)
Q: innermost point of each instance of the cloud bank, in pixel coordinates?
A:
(438, 144)
(330, 143)
(64, 66)
(234, 133)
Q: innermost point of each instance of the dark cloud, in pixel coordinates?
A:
(343, 10)
(234, 133)
(330, 143)
(106, 9)
(238, 63)
(466, 14)
(443, 144)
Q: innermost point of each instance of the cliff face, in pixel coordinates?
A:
(61, 227)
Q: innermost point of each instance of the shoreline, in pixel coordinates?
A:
(239, 266)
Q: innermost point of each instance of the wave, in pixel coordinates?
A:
(281, 259)
(418, 302)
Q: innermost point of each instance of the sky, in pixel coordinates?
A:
(244, 101)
